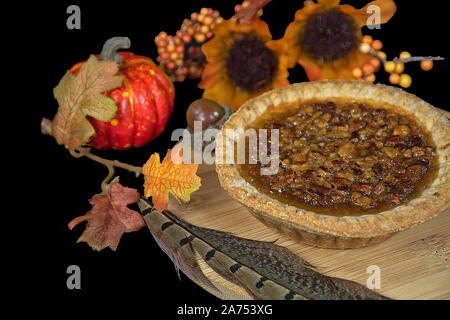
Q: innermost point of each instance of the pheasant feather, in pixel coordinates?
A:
(265, 270)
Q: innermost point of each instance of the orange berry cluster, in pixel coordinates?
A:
(367, 71)
(200, 25)
(180, 56)
(395, 69)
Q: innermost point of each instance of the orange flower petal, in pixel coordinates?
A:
(256, 26)
(279, 47)
(222, 92)
(304, 13)
(340, 69)
(211, 75)
(262, 29)
(359, 16)
(292, 37)
(313, 72)
(241, 97)
(387, 8)
(329, 2)
(215, 48)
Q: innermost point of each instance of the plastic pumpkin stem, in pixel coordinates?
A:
(109, 51)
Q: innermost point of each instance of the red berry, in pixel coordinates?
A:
(171, 65)
(179, 49)
(161, 43)
(186, 38)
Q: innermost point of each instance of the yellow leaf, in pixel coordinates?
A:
(82, 95)
(161, 178)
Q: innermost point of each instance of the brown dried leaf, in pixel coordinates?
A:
(110, 217)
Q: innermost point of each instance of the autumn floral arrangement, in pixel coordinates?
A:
(239, 59)
(119, 100)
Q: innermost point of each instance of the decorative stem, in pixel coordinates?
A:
(373, 53)
(109, 51)
(105, 182)
(80, 152)
(417, 59)
(247, 13)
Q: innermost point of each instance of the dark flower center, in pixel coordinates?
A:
(250, 64)
(329, 36)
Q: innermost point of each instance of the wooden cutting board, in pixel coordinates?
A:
(413, 264)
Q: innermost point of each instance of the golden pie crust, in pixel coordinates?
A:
(346, 231)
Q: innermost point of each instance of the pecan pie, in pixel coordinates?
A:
(357, 162)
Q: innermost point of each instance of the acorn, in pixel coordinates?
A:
(211, 114)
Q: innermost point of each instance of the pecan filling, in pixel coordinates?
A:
(345, 159)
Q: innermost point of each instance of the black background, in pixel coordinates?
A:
(64, 184)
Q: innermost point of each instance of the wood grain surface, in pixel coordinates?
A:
(414, 264)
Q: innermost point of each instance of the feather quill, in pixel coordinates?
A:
(265, 270)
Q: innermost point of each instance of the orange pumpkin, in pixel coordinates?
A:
(144, 101)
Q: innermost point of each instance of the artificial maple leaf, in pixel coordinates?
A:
(110, 217)
(81, 95)
(161, 178)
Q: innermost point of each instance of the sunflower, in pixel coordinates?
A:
(324, 37)
(242, 62)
